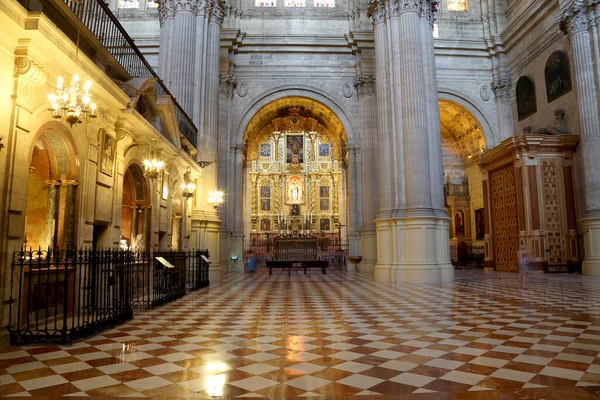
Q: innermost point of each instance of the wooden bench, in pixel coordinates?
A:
(289, 264)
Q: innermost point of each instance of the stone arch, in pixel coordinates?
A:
(52, 183)
(303, 91)
(471, 106)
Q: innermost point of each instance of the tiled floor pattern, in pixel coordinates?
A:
(339, 334)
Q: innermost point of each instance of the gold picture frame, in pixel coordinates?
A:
(108, 152)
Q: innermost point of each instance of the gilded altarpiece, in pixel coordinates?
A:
(295, 170)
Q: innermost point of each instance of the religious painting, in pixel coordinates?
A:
(265, 150)
(265, 191)
(459, 224)
(107, 153)
(479, 224)
(526, 103)
(325, 224)
(265, 224)
(558, 75)
(323, 150)
(324, 191)
(295, 149)
(295, 193)
(324, 206)
(295, 210)
(265, 205)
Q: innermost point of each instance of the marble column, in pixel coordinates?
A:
(365, 88)
(412, 241)
(134, 225)
(70, 211)
(165, 18)
(181, 54)
(52, 213)
(147, 228)
(501, 88)
(237, 200)
(577, 21)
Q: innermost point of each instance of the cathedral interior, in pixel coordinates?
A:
(300, 198)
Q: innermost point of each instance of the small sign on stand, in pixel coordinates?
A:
(165, 262)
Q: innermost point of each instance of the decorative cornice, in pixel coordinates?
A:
(364, 85)
(501, 87)
(575, 18)
(30, 69)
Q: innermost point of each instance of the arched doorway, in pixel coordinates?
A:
(51, 214)
(294, 176)
(462, 141)
(136, 211)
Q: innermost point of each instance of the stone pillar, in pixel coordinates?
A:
(181, 55)
(575, 21)
(412, 240)
(147, 229)
(354, 210)
(70, 212)
(238, 200)
(52, 213)
(134, 225)
(165, 18)
(365, 88)
(501, 88)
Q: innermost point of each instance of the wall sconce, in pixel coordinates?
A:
(215, 198)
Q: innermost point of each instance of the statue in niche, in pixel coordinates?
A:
(459, 227)
(295, 191)
(558, 75)
(526, 102)
(479, 224)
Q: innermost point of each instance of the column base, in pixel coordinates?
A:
(413, 249)
(368, 245)
(591, 241)
(215, 274)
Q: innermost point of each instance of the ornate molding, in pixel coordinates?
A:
(165, 10)
(380, 10)
(575, 18)
(30, 69)
(364, 85)
(185, 5)
(218, 12)
(501, 87)
(227, 85)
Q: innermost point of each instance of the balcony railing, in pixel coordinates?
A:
(106, 28)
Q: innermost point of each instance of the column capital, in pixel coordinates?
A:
(217, 13)
(165, 10)
(364, 85)
(27, 67)
(185, 5)
(575, 18)
(53, 182)
(501, 87)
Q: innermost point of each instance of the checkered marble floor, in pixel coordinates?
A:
(340, 334)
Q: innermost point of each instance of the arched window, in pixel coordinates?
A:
(526, 103)
(324, 3)
(265, 3)
(457, 5)
(558, 75)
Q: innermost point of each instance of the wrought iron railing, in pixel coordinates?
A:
(60, 296)
(107, 29)
(467, 255)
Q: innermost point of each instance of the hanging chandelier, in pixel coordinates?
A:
(187, 187)
(72, 103)
(153, 165)
(215, 198)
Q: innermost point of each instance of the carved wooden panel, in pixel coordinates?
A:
(554, 233)
(504, 214)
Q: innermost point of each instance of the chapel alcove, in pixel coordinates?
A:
(51, 191)
(295, 180)
(462, 142)
(136, 211)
